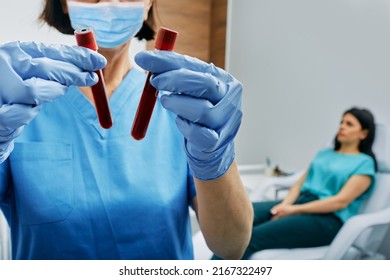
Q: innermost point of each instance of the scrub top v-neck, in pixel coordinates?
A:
(73, 190)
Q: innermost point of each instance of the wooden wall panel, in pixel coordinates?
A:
(218, 32)
(201, 25)
(190, 18)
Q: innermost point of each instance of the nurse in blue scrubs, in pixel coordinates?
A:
(73, 190)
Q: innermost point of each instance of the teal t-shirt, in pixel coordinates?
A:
(330, 171)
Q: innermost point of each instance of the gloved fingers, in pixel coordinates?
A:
(81, 57)
(40, 91)
(229, 131)
(16, 115)
(197, 110)
(35, 91)
(58, 71)
(205, 139)
(163, 61)
(197, 135)
(189, 82)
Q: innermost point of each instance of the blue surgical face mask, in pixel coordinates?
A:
(114, 23)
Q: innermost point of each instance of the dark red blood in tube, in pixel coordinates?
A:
(165, 41)
(86, 38)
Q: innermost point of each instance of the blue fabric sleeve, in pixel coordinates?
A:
(4, 179)
(367, 167)
(191, 188)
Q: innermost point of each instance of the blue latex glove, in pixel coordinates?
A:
(207, 102)
(31, 74)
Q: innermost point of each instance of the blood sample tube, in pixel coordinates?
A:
(165, 41)
(86, 38)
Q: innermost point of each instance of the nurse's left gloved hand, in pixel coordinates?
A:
(207, 102)
(32, 74)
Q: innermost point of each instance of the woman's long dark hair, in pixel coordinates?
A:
(367, 121)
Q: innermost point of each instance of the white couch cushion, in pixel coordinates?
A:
(381, 147)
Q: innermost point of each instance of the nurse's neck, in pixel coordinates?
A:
(118, 65)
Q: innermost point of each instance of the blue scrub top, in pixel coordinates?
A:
(331, 170)
(73, 190)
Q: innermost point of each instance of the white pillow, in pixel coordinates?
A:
(381, 147)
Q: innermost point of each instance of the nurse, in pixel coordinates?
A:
(72, 190)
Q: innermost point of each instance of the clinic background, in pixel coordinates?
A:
(302, 64)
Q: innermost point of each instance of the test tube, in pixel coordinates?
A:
(86, 38)
(165, 41)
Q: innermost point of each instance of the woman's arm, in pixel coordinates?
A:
(354, 187)
(294, 191)
(225, 214)
(207, 101)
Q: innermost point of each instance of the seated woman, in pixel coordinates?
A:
(329, 193)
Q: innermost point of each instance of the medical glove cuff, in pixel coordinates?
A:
(7, 142)
(214, 166)
(5, 150)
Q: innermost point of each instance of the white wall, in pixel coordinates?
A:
(302, 63)
(19, 21)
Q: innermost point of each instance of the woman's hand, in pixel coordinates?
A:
(283, 210)
(32, 74)
(207, 102)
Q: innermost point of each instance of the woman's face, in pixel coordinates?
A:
(114, 23)
(148, 3)
(350, 130)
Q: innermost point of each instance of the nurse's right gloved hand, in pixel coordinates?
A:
(207, 102)
(32, 74)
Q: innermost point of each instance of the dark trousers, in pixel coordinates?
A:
(296, 231)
